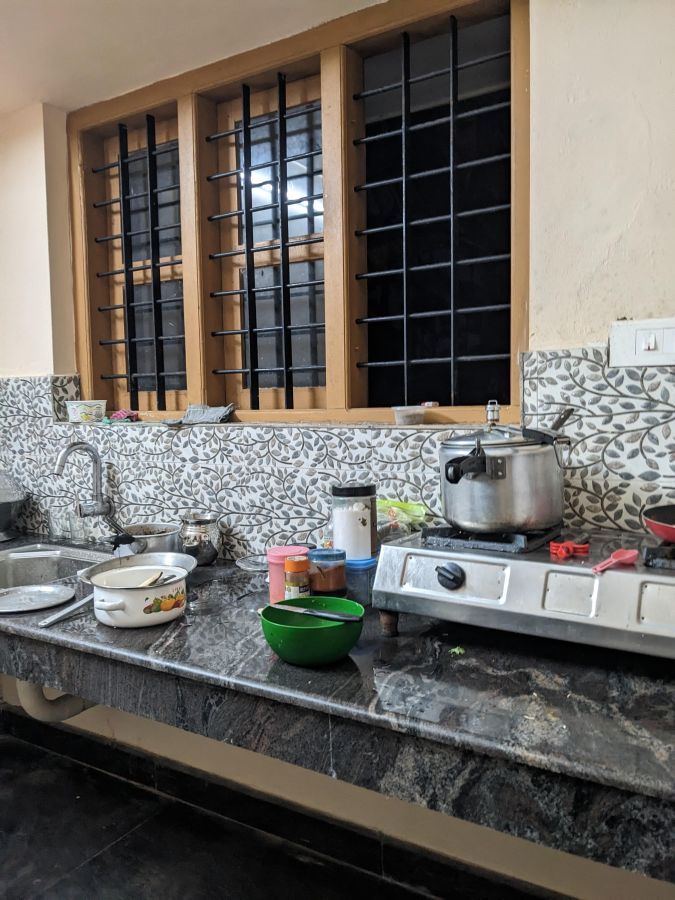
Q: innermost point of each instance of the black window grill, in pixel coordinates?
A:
(149, 204)
(438, 218)
(280, 208)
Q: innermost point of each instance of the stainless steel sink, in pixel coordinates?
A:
(44, 563)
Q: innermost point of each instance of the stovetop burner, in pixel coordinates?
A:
(660, 557)
(445, 537)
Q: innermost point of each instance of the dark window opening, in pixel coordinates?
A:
(458, 355)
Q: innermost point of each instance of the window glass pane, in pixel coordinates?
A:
(168, 203)
(172, 326)
(480, 235)
(307, 308)
(304, 176)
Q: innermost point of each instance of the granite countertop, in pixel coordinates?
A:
(599, 715)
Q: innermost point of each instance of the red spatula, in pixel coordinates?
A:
(618, 558)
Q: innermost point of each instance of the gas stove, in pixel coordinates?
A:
(513, 583)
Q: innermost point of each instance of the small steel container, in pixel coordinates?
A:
(201, 536)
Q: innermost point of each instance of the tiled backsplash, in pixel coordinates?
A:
(622, 430)
(272, 483)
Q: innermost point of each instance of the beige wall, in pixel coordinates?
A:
(36, 314)
(602, 166)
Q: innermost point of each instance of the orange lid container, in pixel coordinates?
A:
(296, 564)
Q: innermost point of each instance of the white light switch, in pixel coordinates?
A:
(644, 342)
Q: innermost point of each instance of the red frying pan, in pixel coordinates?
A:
(661, 521)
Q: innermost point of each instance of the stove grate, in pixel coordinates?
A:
(445, 537)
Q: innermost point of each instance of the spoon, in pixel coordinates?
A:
(319, 613)
(618, 558)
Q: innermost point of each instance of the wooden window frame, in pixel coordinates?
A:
(333, 49)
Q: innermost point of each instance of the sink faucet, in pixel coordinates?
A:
(99, 505)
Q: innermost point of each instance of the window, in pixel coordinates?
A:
(270, 261)
(317, 240)
(140, 314)
(437, 144)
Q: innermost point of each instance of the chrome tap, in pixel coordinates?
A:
(100, 504)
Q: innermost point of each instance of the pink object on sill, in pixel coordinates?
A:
(129, 415)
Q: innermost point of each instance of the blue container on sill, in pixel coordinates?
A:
(360, 577)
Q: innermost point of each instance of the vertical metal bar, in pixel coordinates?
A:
(153, 224)
(251, 313)
(454, 93)
(127, 265)
(282, 173)
(405, 162)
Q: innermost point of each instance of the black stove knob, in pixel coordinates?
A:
(451, 576)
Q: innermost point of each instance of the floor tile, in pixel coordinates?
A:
(183, 853)
(55, 814)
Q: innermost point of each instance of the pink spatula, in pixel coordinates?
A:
(618, 558)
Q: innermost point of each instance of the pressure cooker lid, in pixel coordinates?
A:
(497, 436)
(10, 489)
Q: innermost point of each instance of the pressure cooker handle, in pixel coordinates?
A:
(456, 468)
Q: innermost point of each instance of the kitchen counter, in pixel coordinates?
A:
(569, 746)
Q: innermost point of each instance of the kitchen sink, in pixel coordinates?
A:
(44, 563)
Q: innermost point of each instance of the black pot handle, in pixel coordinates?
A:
(456, 468)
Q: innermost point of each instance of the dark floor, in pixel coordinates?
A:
(67, 831)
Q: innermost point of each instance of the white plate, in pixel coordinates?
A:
(32, 597)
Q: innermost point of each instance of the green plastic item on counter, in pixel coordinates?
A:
(416, 512)
(305, 641)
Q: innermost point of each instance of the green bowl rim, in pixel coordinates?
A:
(322, 624)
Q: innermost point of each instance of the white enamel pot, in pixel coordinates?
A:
(121, 601)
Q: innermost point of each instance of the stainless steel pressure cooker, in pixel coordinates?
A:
(503, 478)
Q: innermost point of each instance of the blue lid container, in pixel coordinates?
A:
(361, 564)
(327, 556)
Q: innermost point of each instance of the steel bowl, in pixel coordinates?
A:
(180, 560)
(159, 537)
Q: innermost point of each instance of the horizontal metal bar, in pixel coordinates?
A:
(310, 326)
(273, 287)
(301, 243)
(113, 237)
(160, 265)
(431, 220)
(445, 264)
(479, 60)
(218, 135)
(483, 357)
(143, 340)
(479, 260)
(470, 310)
(138, 375)
(217, 217)
(134, 157)
(98, 205)
(431, 360)
(222, 134)
(442, 170)
(140, 304)
(432, 123)
(485, 161)
(482, 210)
(374, 92)
(270, 369)
(218, 175)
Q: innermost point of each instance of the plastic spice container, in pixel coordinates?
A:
(296, 577)
(275, 565)
(327, 573)
(360, 579)
(354, 520)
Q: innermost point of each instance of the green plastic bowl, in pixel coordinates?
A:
(306, 641)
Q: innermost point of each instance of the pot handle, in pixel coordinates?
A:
(456, 468)
(109, 605)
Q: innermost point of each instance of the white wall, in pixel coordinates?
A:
(36, 308)
(602, 166)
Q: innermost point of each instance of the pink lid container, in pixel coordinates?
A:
(275, 564)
